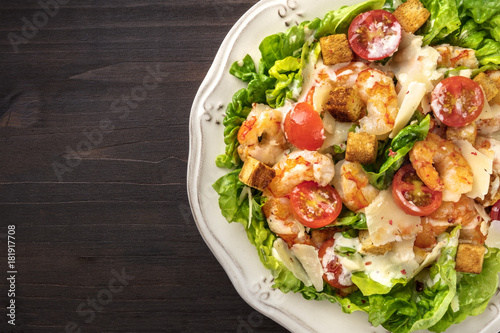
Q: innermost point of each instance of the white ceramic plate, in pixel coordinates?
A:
(229, 242)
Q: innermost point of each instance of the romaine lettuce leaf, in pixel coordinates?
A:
(481, 10)
(391, 153)
(407, 308)
(443, 21)
(338, 21)
(473, 292)
(287, 72)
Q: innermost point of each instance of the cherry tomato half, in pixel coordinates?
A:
(457, 101)
(315, 206)
(495, 211)
(374, 35)
(412, 195)
(304, 127)
(331, 265)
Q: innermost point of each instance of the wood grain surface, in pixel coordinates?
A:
(95, 99)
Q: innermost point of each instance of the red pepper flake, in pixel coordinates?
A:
(474, 153)
(391, 153)
(368, 263)
(363, 301)
(390, 222)
(407, 92)
(403, 271)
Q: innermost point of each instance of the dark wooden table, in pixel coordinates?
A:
(95, 99)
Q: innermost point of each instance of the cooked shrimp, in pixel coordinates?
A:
(347, 75)
(427, 238)
(353, 185)
(454, 56)
(298, 167)
(282, 222)
(441, 167)
(463, 212)
(261, 136)
(377, 90)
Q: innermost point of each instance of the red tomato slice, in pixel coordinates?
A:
(315, 206)
(412, 195)
(331, 265)
(374, 35)
(457, 101)
(495, 211)
(304, 127)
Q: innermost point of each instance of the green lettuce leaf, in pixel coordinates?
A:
(371, 287)
(391, 154)
(481, 10)
(338, 21)
(407, 308)
(288, 74)
(473, 292)
(443, 21)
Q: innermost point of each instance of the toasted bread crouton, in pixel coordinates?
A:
(467, 132)
(361, 148)
(345, 105)
(495, 77)
(335, 49)
(489, 87)
(411, 15)
(470, 258)
(367, 246)
(256, 174)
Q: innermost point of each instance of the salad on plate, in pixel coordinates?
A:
(363, 159)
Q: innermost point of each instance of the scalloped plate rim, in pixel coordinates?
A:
(196, 155)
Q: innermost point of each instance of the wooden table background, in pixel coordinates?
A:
(95, 99)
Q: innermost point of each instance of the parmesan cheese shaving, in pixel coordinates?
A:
(413, 97)
(481, 166)
(308, 257)
(387, 222)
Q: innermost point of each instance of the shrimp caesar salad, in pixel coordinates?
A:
(363, 159)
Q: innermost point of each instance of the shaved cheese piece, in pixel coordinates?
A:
(387, 222)
(291, 262)
(320, 96)
(412, 98)
(308, 257)
(414, 63)
(493, 239)
(481, 166)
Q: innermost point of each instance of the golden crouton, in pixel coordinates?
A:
(411, 15)
(361, 148)
(469, 258)
(367, 246)
(495, 77)
(467, 132)
(345, 105)
(489, 87)
(335, 49)
(256, 174)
